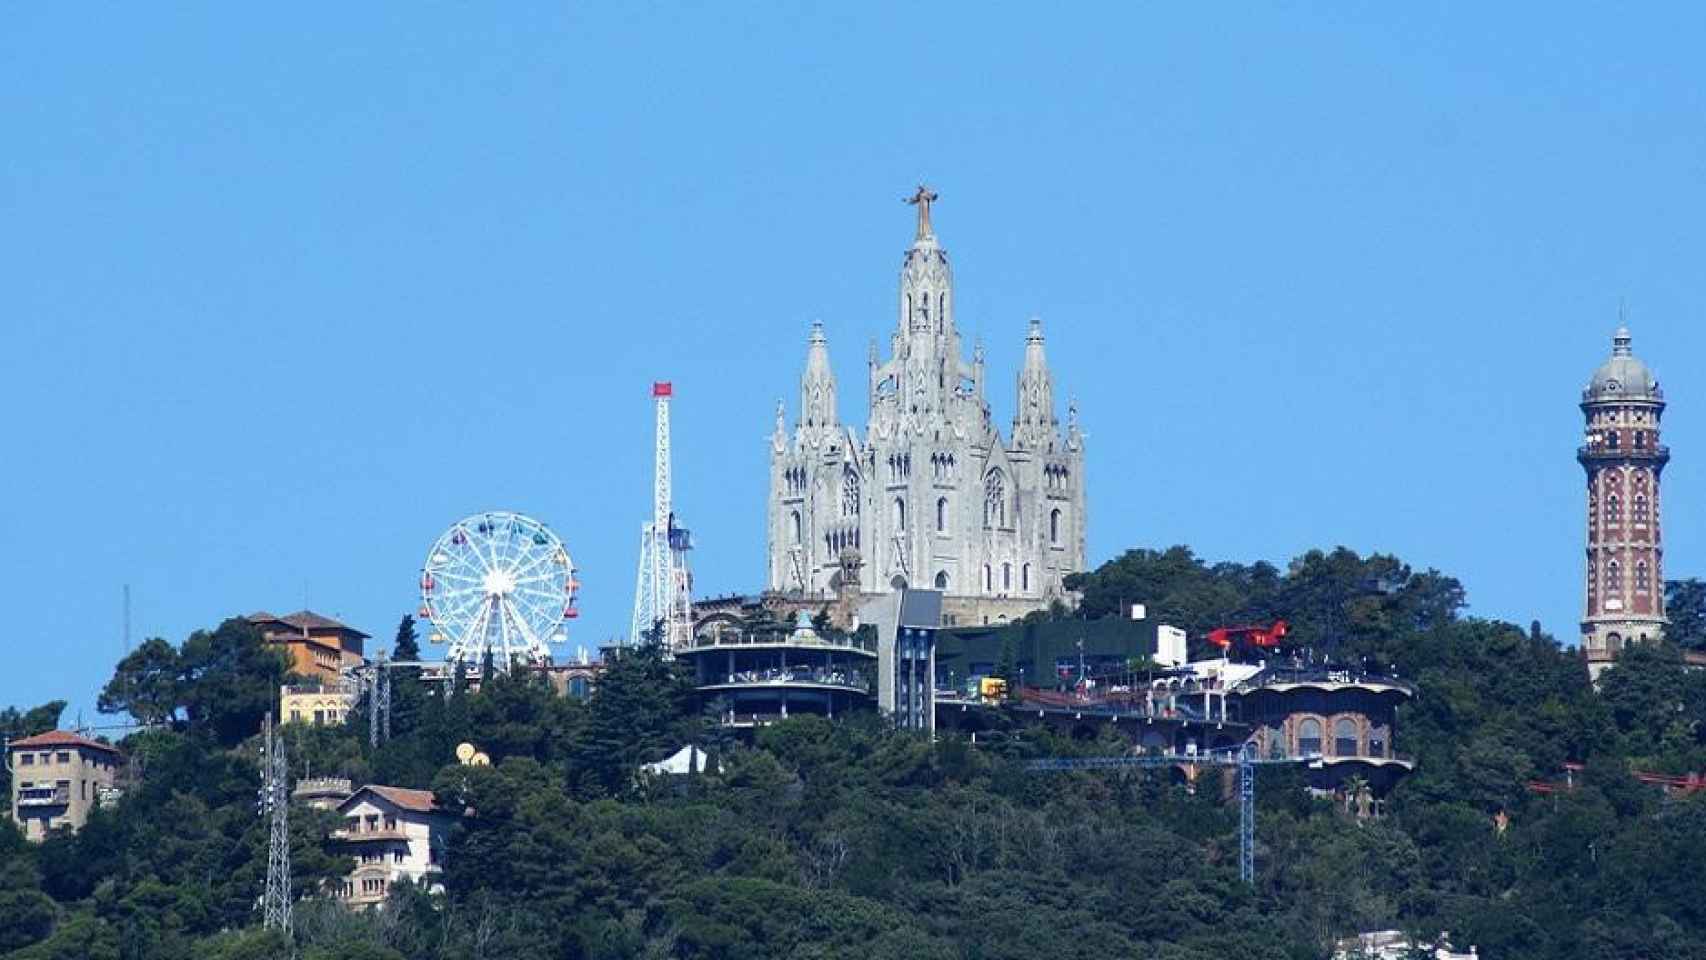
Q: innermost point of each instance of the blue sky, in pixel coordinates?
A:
(284, 293)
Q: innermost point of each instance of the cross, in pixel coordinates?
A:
(922, 200)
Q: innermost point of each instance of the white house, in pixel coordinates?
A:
(393, 833)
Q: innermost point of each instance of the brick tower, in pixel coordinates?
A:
(1625, 551)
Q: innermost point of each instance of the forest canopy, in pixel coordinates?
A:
(819, 839)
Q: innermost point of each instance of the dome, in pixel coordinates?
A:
(1623, 376)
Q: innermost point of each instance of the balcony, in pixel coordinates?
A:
(1600, 451)
(44, 797)
(789, 677)
(395, 833)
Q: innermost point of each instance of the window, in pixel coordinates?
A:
(28, 759)
(794, 522)
(994, 500)
(899, 514)
(1613, 509)
(849, 493)
(1640, 439)
(1641, 583)
(1640, 508)
(942, 515)
(319, 717)
(1054, 525)
(1611, 439)
(1613, 577)
(63, 757)
(942, 580)
(1309, 736)
(390, 822)
(1344, 738)
(988, 580)
(1376, 745)
(1025, 577)
(396, 856)
(1007, 576)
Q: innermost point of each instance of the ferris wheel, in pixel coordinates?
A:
(498, 582)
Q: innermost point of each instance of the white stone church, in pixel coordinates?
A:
(933, 495)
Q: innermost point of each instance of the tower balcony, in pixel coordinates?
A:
(1600, 453)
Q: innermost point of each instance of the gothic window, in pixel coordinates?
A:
(1006, 576)
(941, 579)
(899, 514)
(1054, 525)
(988, 580)
(941, 514)
(1611, 439)
(1640, 508)
(849, 493)
(1640, 439)
(994, 500)
(941, 309)
(1613, 582)
(1613, 509)
(1308, 736)
(1025, 578)
(794, 522)
(1641, 582)
(1344, 738)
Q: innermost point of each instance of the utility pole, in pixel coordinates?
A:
(275, 806)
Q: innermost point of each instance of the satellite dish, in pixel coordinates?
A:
(465, 752)
(480, 760)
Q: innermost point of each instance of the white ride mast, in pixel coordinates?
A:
(663, 590)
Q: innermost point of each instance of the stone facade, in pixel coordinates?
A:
(933, 495)
(1623, 458)
(57, 778)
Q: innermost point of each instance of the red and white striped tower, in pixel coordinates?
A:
(1625, 549)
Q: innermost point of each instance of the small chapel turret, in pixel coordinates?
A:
(932, 495)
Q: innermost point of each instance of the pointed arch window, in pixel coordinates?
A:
(941, 579)
(1054, 525)
(942, 515)
(849, 493)
(1006, 576)
(994, 500)
(1642, 581)
(899, 514)
(794, 522)
(1640, 508)
(1025, 578)
(1613, 578)
(1613, 509)
(988, 579)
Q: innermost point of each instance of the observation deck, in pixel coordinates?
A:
(759, 672)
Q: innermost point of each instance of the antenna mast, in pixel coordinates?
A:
(663, 588)
(275, 806)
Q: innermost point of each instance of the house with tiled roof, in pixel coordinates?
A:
(57, 778)
(320, 648)
(393, 833)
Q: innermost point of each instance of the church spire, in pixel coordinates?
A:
(817, 386)
(1034, 424)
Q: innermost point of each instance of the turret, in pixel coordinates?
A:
(817, 385)
(1034, 423)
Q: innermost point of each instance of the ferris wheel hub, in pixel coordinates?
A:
(500, 583)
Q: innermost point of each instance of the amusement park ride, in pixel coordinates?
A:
(498, 583)
(663, 587)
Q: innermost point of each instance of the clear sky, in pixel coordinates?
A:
(283, 293)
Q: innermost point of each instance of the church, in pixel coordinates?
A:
(932, 495)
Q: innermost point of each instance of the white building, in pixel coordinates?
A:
(932, 496)
(394, 834)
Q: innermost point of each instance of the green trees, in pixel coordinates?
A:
(816, 839)
(222, 682)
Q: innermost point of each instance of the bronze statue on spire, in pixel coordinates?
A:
(922, 200)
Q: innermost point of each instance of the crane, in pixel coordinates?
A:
(1244, 758)
(663, 588)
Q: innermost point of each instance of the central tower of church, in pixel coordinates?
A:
(932, 496)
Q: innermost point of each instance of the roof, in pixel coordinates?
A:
(1623, 376)
(688, 759)
(64, 738)
(419, 801)
(303, 620)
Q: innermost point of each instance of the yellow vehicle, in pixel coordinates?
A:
(992, 689)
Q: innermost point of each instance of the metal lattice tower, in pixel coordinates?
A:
(663, 586)
(275, 806)
(378, 685)
(1244, 759)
